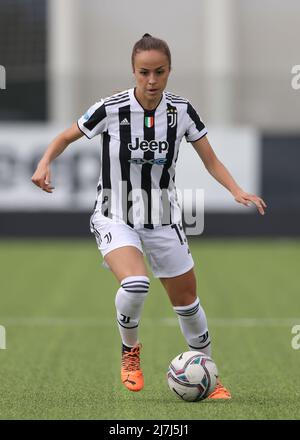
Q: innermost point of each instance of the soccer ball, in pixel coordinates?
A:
(192, 376)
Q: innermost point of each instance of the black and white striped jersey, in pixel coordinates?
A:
(139, 150)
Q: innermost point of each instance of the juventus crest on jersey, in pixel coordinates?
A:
(139, 151)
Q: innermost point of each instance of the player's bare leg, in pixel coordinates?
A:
(127, 264)
(181, 289)
(192, 320)
(126, 261)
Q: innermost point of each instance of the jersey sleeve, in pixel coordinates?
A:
(195, 128)
(94, 121)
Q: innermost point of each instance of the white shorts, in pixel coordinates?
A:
(166, 247)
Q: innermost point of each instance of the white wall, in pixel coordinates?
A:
(75, 173)
(90, 46)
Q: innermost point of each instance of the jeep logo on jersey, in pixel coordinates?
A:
(143, 145)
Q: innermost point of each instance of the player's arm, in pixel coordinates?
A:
(222, 175)
(42, 174)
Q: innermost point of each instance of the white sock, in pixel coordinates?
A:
(193, 324)
(129, 304)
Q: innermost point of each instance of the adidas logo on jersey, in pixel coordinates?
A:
(153, 145)
(124, 122)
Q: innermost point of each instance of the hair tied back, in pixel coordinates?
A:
(148, 42)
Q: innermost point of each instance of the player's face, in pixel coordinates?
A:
(151, 71)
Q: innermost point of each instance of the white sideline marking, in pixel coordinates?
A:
(40, 321)
(244, 322)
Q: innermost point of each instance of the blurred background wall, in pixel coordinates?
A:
(232, 58)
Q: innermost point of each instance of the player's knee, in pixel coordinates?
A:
(137, 284)
(183, 298)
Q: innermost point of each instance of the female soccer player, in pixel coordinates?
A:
(136, 209)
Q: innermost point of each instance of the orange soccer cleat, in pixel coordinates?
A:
(131, 373)
(220, 392)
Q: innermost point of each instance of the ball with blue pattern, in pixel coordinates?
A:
(192, 376)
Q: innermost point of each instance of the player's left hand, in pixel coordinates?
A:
(246, 199)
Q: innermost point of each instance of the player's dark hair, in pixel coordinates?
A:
(147, 42)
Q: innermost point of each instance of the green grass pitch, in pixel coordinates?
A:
(63, 349)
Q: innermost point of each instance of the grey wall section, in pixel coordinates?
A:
(280, 171)
(76, 225)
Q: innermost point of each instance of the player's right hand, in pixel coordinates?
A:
(42, 177)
